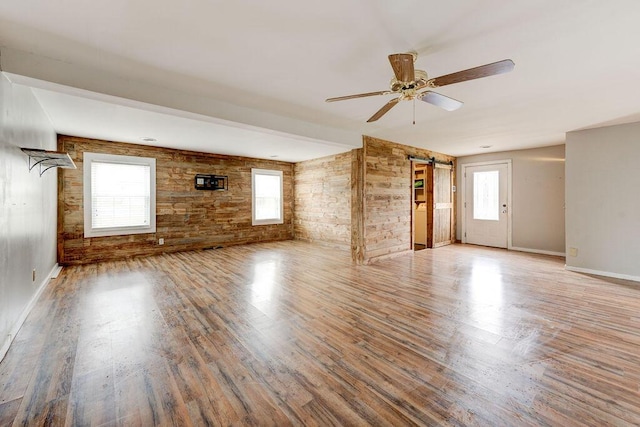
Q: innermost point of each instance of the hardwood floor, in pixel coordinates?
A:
(291, 333)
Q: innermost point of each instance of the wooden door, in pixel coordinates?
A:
(430, 204)
(443, 233)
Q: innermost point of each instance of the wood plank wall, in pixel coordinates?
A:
(186, 218)
(387, 196)
(322, 193)
(357, 206)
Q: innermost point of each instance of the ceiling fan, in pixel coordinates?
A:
(409, 82)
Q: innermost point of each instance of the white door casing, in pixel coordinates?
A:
(488, 223)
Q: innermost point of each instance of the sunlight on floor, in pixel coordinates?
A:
(486, 294)
(262, 287)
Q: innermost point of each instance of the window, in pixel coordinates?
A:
(266, 197)
(119, 195)
(485, 195)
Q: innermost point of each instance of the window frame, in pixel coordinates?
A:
(267, 221)
(88, 159)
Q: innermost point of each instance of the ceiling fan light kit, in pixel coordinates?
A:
(409, 83)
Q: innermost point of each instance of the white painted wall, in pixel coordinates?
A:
(603, 200)
(537, 208)
(28, 208)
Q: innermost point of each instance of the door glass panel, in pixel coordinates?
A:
(486, 195)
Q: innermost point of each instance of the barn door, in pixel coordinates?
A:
(443, 233)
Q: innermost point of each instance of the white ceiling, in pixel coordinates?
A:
(114, 119)
(250, 77)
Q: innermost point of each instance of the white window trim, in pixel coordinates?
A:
(88, 158)
(268, 221)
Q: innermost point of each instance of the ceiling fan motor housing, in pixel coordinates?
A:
(420, 81)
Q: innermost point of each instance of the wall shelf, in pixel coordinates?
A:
(48, 159)
(419, 184)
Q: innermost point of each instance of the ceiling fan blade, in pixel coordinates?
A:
(360, 95)
(440, 100)
(402, 64)
(499, 67)
(385, 108)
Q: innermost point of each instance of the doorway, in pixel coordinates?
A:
(432, 204)
(422, 197)
(486, 204)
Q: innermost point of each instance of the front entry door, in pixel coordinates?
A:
(486, 205)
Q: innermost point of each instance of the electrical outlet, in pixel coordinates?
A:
(161, 241)
(573, 252)
(33, 275)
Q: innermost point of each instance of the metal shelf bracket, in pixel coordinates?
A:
(46, 160)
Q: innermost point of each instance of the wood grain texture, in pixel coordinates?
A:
(443, 208)
(500, 67)
(387, 196)
(322, 208)
(430, 176)
(357, 206)
(185, 217)
(289, 333)
(378, 204)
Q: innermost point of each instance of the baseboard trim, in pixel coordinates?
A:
(378, 258)
(23, 316)
(537, 251)
(56, 271)
(602, 273)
